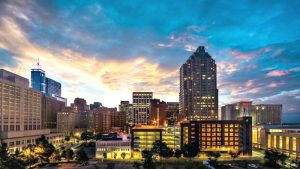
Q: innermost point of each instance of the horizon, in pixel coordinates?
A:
(111, 51)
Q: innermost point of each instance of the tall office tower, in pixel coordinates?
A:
(95, 105)
(261, 114)
(125, 106)
(53, 88)
(141, 106)
(198, 86)
(38, 79)
(20, 112)
(158, 116)
(80, 105)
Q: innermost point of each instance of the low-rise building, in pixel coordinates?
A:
(283, 138)
(113, 148)
(261, 114)
(219, 135)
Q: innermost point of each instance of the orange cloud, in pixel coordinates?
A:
(276, 73)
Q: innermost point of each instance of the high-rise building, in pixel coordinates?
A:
(219, 135)
(102, 118)
(118, 119)
(20, 109)
(38, 79)
(261, 114)
(158, 114)
(80, 105)
(53, 88)
(198, 86)
(50, 107)
(95, 105)
(172, 110)
(125, 106)
(141, 106)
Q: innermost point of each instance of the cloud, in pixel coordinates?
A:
(277, 73)
(78, 70)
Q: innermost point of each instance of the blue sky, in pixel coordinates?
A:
(104, 50)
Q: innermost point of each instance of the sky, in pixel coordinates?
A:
(104, 50)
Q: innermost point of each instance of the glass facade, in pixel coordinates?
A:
(53, 88)
(38, 80)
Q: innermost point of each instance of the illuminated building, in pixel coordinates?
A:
(125, 106)
(20, 109)
(113, 148)
(143, 137)
(219, 135)
(198, 97)
(284, 138)
(261, 114)
(171, 136)
(141, 106)
(158, 114)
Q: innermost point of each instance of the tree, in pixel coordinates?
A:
(87, 135)
(274, 158)
(136, 165)
(43, 149)
(234, 154)
(55, 157)
(82, 156)
(148, 161)
(67, 138)
(190, 150)
(7, 161)
(213, 157)
(177, 153)
(110, 166)
(115, 155)
(69, 154)
(161, 148)
(104, 155)
(123, 155)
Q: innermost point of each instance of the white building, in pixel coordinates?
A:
(118, 148)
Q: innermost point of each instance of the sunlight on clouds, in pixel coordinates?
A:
(81, 73)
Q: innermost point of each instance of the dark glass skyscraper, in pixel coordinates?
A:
(38, 79)
(53, 88)
(198, 86)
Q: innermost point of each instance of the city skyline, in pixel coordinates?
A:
(114, 54)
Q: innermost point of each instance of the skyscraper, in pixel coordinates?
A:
(141, 106)
(38, 79)
(198, 86)
(53, 88)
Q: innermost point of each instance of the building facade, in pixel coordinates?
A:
(158, 115)
(261, 114)
(171, 136)
(219, 135)
(118, 148)
(141, 107)
(125, 106)
(50, 107)
(65, 122)
(172, 110)
(38, 80)
(95, 105)
(118, 120)
(198, 97)
(283, 138)
(20, 109)
(102, 118)
(53, 88)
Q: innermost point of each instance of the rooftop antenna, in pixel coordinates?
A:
(38, 63)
